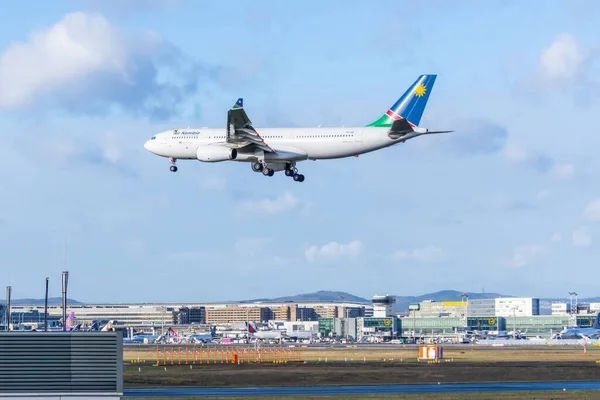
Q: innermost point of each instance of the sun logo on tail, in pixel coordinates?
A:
(420, 90)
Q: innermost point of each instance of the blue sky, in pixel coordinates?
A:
(508, 203)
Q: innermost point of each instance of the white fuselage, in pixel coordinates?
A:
(577, 333)
(290, 144)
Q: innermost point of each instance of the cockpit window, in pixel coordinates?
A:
(153, 137)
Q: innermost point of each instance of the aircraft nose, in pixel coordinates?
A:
(147, 145)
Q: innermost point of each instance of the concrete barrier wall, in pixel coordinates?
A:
(61, 364)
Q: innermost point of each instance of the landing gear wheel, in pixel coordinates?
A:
(299, 177)
(289, 172)
(173, 168)
(271, 172)
(268, 171)
(257, 167)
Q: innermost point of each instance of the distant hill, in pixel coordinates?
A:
(402, 302)
(546, 303)
(321, 295)
(580, 300)
(52, 301)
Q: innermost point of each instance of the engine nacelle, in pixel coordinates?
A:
(215, 153)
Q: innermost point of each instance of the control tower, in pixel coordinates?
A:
(383, 306)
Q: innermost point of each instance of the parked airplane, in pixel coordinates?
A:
(253, 332)
(68, 325)
(277, 334)
(582, 333)
(203, 337)
(143, 339)
(279, 149)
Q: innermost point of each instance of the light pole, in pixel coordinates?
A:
(348, 325)
(414, 325)
(514, 321)
(65, 281)
(8, 294)
(46, 308)
(465, 299)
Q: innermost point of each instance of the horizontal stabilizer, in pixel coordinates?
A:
(428, 132)
(401, 127)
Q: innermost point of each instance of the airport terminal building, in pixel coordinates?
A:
(379, 321)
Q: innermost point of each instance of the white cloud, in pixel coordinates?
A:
(592, 211)
(334, 251)
(84, 64)
(427, 254)
(283, 203)
(563, 59)
(74, 48)
(525, 255)
(556, 238)
(60, 149)
(582, 238)
(518, 154)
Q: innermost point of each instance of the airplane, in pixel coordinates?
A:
(203, 337)
(264, 334)
(68, 326)
(271, 150)
(143, 339)
(582, 333)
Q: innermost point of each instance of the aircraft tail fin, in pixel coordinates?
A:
(411, 105)
(108, 326)
(238, 104)
(597, 321)
(69, 321)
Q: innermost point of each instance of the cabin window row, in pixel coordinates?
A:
(322, 136)
(265, 137)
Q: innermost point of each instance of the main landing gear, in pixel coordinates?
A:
(262, 167)
(173, 166)
(290, 170)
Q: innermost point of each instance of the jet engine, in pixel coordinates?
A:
(215, 153)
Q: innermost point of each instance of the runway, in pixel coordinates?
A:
(358, 390)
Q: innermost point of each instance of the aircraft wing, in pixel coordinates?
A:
(240, 131)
